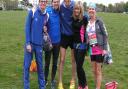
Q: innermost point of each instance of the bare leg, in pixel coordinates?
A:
(94, 70)
(61, 63)
(72, 82)
(97, 74)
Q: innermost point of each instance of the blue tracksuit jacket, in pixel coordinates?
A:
(53, 24)
(33, 28)
(66, 18)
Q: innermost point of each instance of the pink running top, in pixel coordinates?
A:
(82, 31)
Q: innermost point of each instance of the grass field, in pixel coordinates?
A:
(11, 52)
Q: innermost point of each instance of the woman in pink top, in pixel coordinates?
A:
(97, 39)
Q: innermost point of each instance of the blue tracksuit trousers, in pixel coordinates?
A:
(37, 50)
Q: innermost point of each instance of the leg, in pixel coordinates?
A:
(47, 63)
(73, 65)
(54, 65)
(56, 50)
(94, 69)
(98, 75)
(97, 70)
(61, 64)
(27, 63)
(38, 55)
(72, 82)
(79, 57)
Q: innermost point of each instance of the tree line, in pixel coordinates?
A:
(114, 8)
(9, 4)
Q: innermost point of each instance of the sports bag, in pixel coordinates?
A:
(47, 44)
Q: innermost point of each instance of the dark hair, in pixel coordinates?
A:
(40, 0)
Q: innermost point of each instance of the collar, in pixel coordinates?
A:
(71, 4)
(91, 24)
(42, 12)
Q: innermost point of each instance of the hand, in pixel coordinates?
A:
(104, 52)
(29, 48)
(45, 29)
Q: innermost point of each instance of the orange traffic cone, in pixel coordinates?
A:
(33, 67)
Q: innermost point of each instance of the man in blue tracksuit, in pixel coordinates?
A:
(66, 11)
(34, 28)
(54, 33)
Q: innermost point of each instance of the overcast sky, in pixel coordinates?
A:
(105, 2)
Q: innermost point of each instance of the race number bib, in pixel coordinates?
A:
(92, 38)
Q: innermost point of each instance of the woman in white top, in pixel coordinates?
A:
(97, 38)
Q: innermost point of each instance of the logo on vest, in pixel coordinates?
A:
(36, 19)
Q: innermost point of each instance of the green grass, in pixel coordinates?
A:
(11, 52)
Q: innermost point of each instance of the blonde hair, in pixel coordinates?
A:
(78, 4)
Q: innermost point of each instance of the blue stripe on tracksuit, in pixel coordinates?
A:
(34, 37)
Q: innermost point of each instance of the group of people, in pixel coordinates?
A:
(67, 26)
